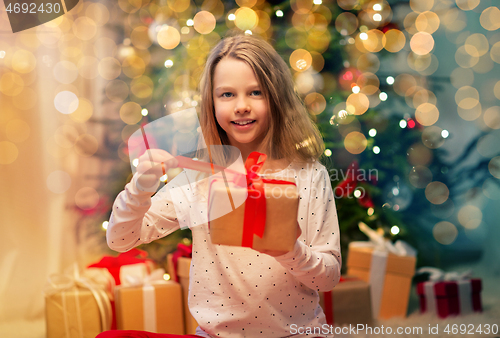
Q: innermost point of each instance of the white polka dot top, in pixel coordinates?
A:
(239, 292)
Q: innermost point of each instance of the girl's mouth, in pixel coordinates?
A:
(243, 123)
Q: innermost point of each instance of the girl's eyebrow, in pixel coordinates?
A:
(224, 88)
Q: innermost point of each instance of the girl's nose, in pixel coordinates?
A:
(242, 107)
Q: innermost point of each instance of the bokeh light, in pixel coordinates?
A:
(437, 192)
(490, 18)
(494, 167)
(168, 37)
(427, 114)
(420, 176)
(58, 181)
(422, 43)
(470, 216)
(445, 232)
(86, 198)
(8, 152)
(66, 102)
(355, 142)
(17, 130)
(432, 137)
(204, 22)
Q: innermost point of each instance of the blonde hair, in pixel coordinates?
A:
(292, 135)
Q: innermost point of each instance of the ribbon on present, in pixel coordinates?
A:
(148, 295)
(114, 264)
(254, 222)
(461, 279)
(381, 249)
(328, 301)
(60, 283)
(182, 251)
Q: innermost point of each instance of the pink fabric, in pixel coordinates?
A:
(139, 334)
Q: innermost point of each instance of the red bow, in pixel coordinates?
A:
(113, 264)
(255, 205)
(351, 182)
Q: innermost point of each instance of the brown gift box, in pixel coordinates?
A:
(72, 313)
(183, 267)
(131, 312)
(226, 225)
(397, 281)
(350, 302)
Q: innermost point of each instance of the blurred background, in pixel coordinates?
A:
(405, 93)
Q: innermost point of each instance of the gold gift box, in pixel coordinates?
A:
(130, 311)
(226, 224)
(350, 302)
(72, 313)
(397, 283)
(183, 267)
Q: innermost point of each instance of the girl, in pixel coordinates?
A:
(249, 102)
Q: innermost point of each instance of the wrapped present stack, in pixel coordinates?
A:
(348, 303)
(75, 306)
(387, 268)
(150, 304)
(449, 294)
(253, 211)
(179, 265)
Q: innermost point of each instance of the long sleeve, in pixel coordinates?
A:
(137, 218)
(315, 260)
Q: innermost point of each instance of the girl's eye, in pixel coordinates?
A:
(226, 94)
(257, 92)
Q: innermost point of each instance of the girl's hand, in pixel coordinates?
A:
(275, 253)
(152, 165)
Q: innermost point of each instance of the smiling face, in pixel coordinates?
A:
(240, 106)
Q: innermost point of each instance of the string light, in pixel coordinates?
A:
(445, 133)
(144, 112)
(370, 211)
(166, 276)
(377, 7)
(403, 124)
(363, 36)
(105, 225)
(395, 230)
(382, 96)
(248, 32)
(317, 2)
(2, 54)
(279, 13)
(389, 80)
(135, 162)
(190, 22)
(169, 63)
(376, 150)
(356, 89)
(357, 193)
(372, 132)
(164, 178)
(377, 17)
(328, 152)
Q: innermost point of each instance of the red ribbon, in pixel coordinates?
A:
(328, 301)
(254, 222)
(113, 264)
(182, 251)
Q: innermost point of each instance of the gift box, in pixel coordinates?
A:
(150, 305)
(348, 303)
(388, 274)
(448, 298)
(130, 263)
(181, 271)
(260, 213)
(74, 307)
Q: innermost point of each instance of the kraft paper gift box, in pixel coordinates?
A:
(74, 307)
(154, 306)
(348, 302)
(449, 298)
(388, 274)
(183, 267)
(277, 216)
